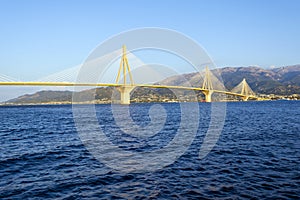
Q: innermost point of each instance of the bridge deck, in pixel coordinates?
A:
(72, 84)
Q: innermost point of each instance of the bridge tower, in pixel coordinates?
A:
(244, 90)
(125, 87)
(207, 85)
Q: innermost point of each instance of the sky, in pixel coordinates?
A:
(38, 38)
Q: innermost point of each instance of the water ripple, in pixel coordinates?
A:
(256, 157)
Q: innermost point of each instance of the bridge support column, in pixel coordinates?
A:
(245, 98)
(125, 94)
(208, 94)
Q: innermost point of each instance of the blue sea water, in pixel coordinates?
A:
(256, 157)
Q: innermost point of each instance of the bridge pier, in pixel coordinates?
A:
(208, 94)
(245, 98)
(125, 94)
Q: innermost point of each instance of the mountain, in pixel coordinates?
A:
(280, 81)
(63, 96)
(44, 97)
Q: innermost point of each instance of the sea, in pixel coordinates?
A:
(256, 154)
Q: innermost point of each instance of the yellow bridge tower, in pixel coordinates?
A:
(125, 87)
(207, 86)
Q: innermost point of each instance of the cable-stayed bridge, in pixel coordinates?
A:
(125, 83)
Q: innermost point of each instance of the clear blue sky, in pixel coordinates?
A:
(42, 37)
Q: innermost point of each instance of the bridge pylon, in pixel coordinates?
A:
(244, 90)
(207, 85)
(125, 88)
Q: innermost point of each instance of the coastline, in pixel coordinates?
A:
(110, 102)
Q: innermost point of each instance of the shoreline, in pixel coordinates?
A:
(109, 102)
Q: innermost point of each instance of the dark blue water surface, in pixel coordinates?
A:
(257, 155)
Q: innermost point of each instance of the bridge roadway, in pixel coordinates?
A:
(71, 84)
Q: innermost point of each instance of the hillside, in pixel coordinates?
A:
(280, 81)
